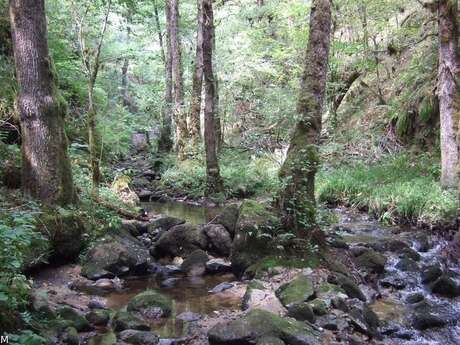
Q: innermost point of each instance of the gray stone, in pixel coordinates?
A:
(195, 263)
(150, 304)
(135, 337)
(124, 320)
(180, 240)
(219, 239)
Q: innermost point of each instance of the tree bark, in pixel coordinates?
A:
(165, 144)
(179, 113)
(197, 82)
(214, 182)
(297, 199)
(46, 171)
(448, 90)
(124, 70)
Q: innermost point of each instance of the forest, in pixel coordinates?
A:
(229, 172)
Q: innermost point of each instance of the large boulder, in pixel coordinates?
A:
(349, 286)
(195, 263)
(228, 218)
(248, 244)
(296, 291)
(150, 304)
(64, 229)
(219, 239)
(180, 240)
(74, 318)
(259, 324)
(115, 254)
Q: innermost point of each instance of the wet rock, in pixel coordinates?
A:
(180, 240)
(96, 304)
(431, 273)
(340, 304)
(296, 291)
(217, 266)
(247, 247)
(164, 223)
(394, 281)
(195, 263)
(325, 292)
(130, 226)
(98, 317)
(258, 324)
(423, 244)
(169, 283)
(407, 265)
(139, 337)
(423, 321)
(258, 297)
(219, 239)
(410, 253)
(415, 298)
(150, 304)
(228, 218)
(371, 261)
(221, 287)
(106, 284)
(75, 319)
(445, 286)
(189, 316)
(336, 241)
(332, 323)
(116, 254)
(124, 320)
(108, 338)
(364, 321)
(270, 341)
(145, 195)
(349, 286)
(70, 336)
(358, 250)
(301, 312)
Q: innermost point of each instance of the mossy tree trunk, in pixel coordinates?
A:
(297, 199)
(180, 117)
(214, 181)
(448, 90)
(165, 143)
(197, 82)
(46, 171)
(91, 59)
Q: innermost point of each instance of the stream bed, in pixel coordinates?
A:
(405, 305)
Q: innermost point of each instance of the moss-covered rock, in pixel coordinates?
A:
(349, 286)
(248, 246)
(115, 254)
(98, 317)
(270, 341)
(258, 324)
(301, 312)
(108, 338)
(151, 304)
(123, 320)
(180, 240)
(219, 239)
(228, 218)
(258, 297)
(195, 263)
(75, 319)
(64, 229)
(296, 291)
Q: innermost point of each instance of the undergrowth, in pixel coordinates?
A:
(399, 188)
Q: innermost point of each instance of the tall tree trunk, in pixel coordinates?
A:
(46, 171)
(124, 70)
(448, 90)
(297, 199)
(179, 113)
(197, 82)
(217, 118)
(214, 182)
(165, 143)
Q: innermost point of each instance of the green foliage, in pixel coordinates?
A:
(399, 188)
(244, 175)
